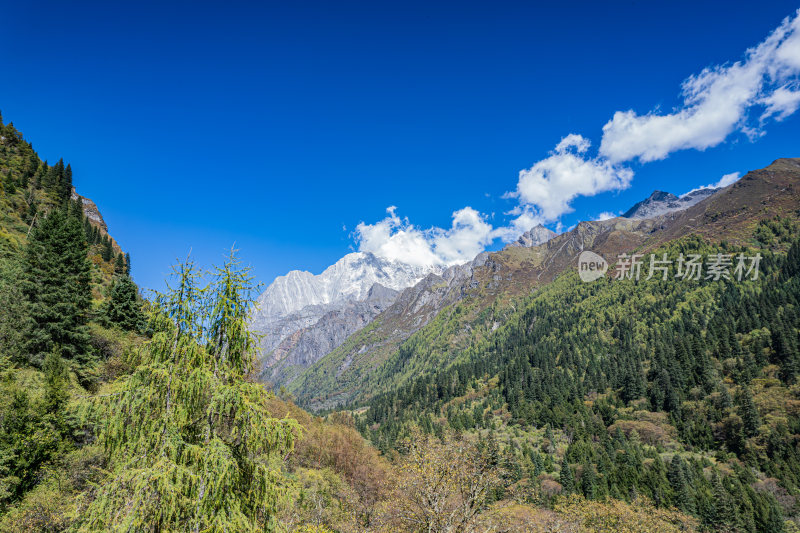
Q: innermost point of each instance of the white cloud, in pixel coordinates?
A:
(397, 239)
(573, 140)
(724, 181)
(605, 215)
(525, 218)
(552, 183)
(781, 103)
(716, 103)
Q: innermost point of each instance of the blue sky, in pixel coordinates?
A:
(281, 127)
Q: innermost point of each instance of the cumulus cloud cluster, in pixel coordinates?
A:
(719, 101)
(396, 239)
(551, 184)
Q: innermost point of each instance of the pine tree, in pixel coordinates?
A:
(56, 286)
(76, 208)
(676, 474)
(192, 445)
(748, 412)
(589, 481)
(119, 264)
(723, 513)
(12, 311)
(65, 189)
(566, 478)
(123, 307)
(56, 378)
(108, 249)
(127, 264)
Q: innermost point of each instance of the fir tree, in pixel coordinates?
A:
(589, 481)
(748, 412)
(723, 513)
(56, 378)
(123, 307)
(119, 264)
(108, 249)
(65, 188)
(12, 311)
(676, 474)
(56, 286)
(566, 478)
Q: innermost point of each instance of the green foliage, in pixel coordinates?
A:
(630, 372)
(566, 478)
(28, 438)
(56, 286)
(191, 440)
(12, 311)
(123, 307)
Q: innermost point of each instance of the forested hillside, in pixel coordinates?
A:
(539, 403)
(684, 391)
(369, 362)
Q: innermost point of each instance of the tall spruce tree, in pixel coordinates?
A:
(56, 286)
(748, 412)
(123, 306)
(566, 478)
(191, 443)
(65, 185)
(682, 498)
(108, 249)
(119, 264)
(12, 310)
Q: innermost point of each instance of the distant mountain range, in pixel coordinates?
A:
(369, 356)
(304, 317)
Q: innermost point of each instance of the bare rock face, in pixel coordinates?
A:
(534, 237)
(307, 345)
(91, 211)
(301, 316)
(661, 203)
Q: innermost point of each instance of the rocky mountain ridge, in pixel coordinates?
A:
(302, 337)
(340, 300)
(534, 236)
(661, 203)
(374, 354)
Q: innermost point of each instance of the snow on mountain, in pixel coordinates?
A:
(300, 299)
(661, 203)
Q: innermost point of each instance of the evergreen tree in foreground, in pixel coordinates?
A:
(191, 443)
(56, 286)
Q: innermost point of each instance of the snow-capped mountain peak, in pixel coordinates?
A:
(350, 278)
